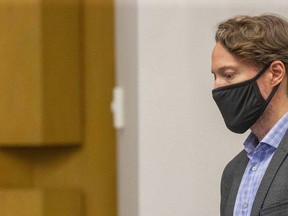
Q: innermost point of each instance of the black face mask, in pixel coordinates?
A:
(241, 104)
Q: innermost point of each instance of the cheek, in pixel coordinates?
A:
(264, 87)
(219, 83)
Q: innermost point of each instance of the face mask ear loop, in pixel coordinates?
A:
(270, 97)
(273, 92)
(261, 72)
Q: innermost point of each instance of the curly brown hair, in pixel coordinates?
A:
(260, 39)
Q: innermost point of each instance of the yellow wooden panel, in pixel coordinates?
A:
(37, 202)
(15, 169)
(40, 80)
(61, 202)
(20, 64)
(93, 166)
(61, 71)
(21, 203)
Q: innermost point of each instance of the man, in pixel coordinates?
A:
(250, 65)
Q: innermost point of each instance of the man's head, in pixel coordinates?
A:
(258, 39)
(249, 64)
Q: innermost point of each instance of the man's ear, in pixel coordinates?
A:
(278, 71)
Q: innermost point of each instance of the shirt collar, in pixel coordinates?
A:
(272, 138)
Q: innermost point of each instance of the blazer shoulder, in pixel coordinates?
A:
(232, 170)
(238, 161)
(231, 174)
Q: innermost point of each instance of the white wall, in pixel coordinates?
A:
(174, 147)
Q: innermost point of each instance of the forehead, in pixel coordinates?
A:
(222, 58)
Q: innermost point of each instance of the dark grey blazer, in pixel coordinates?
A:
(272, 196)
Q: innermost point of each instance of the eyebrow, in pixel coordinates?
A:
(223, 68)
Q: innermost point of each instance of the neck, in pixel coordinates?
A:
(269, 118)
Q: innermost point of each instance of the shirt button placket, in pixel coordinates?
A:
(244, 209)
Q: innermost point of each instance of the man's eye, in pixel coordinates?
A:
(229, 75)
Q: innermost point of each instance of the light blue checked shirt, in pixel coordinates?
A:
(260, 158)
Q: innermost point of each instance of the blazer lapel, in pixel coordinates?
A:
(235, 186)
(276, 161)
